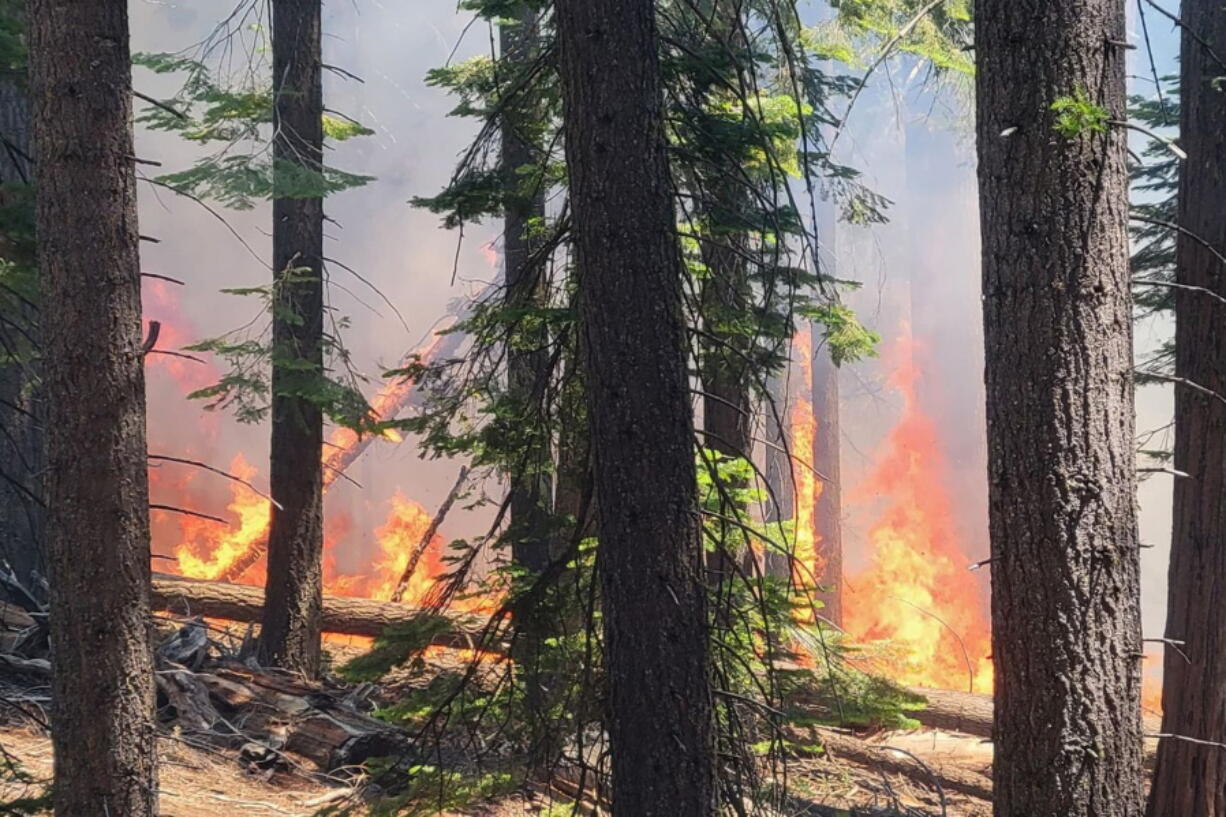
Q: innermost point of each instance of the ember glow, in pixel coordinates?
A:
(917, 600)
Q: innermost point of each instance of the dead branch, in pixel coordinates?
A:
(186, 512)
(151, 339)
(218, 471)
(162, 278)
(183, 355)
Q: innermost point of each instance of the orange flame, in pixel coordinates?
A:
(917, 600)
(203, 552)
(807, 563)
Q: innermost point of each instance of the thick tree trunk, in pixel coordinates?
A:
(1190, 778)
(1066, 630)
(290, 633)
(660, 710)
(97, 485)
(826, 461)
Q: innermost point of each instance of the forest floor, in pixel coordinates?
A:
(236, 737)
(195, 782)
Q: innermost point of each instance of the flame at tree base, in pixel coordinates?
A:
(917, 608)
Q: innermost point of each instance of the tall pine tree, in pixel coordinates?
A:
(97, 483)
(633, 343)
(1066, 634)
(290, 635)
(1190, 778)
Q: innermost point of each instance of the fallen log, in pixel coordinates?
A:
(971, 713)
(272, 719)
(953, 711)
(931, 773)
(341, 615)
(300, 718)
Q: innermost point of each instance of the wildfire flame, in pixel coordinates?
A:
(206, 553)
(205, 550)
(917, 599)
(807, 563)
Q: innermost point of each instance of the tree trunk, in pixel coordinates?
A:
(829, 511)
(21, 446)
(1066, 635)
(1190, 778)
(727, 405)
(781, 496)
(634, 347)
(528, 354)
(531, 488)
(97, 483)
(290, 635)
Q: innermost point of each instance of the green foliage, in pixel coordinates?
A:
(238, 118)
(242, 181)
(938, 35)
(1155, 185)
(848, 340)
(13, 52)
(1077, 115)
(426, 790)
(245, 388)
(396, 645)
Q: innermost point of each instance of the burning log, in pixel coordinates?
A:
(342, 615)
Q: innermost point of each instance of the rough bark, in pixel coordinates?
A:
(21, 514)
(630, 276)
(1066, 630)
(338, 614)
(290, 632)
(1190, 778)
(97, 484)
(826, 461)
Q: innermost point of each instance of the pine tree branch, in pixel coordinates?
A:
(219, 472)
